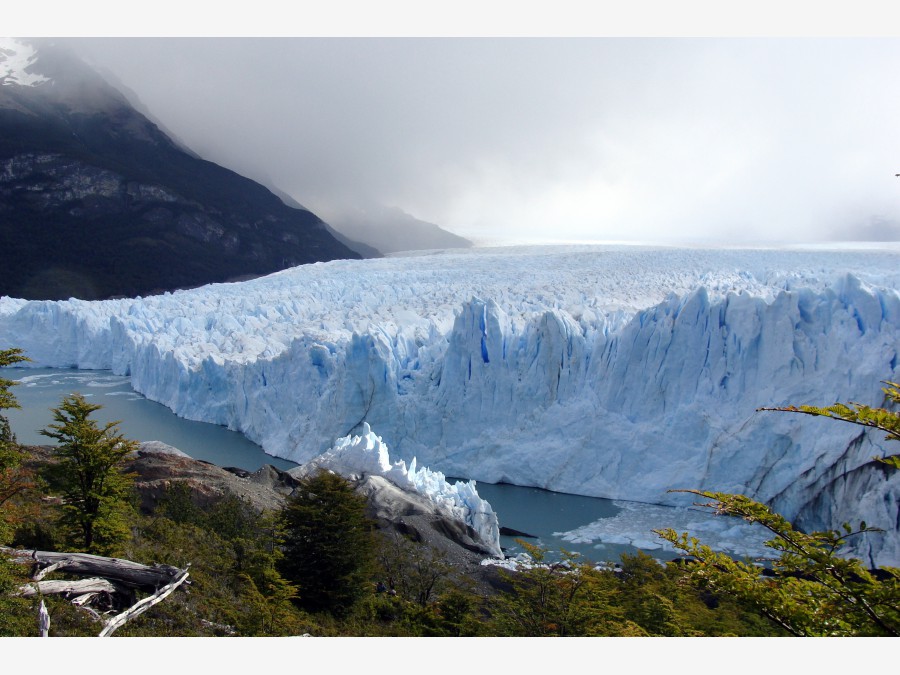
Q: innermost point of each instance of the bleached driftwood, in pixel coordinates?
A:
(109, 577)
(41, 573)
(142, 606)
(126, 572)
(67, 587)
(44, 620)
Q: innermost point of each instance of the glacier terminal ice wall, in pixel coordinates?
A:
(618, 372)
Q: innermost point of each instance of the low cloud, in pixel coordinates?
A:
(635, 139)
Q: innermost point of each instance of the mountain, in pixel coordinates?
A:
(390, 230)
(96, 201)
(364, 250)
(617, 372)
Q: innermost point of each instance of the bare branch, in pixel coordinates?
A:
(44, 620)
(142, 606)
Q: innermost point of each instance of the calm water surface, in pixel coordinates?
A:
(41, 389)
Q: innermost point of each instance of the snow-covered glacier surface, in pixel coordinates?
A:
(617, 372)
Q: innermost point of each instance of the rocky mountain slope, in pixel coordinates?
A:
(96, 201)
(395, 511)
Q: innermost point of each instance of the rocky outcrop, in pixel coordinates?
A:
(417, 517)
(158, 466)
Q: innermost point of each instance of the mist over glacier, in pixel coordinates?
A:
(607, 371)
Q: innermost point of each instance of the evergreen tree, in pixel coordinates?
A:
(13, 479)
(9, 451)
(96, 489)
(329, 546)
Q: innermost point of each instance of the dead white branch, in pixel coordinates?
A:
(135, 575)
(67, 587)
(40, 574)
(44, 620)
(142, 606)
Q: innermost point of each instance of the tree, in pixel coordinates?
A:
(7, 358)
(554, 599)
(418, 572)
(328, 543)
(95, 486)
(13, 478)
(814, 591)
(10, 456)
(862, 415)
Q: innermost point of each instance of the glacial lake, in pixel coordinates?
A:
(42, 389)
(542, 513)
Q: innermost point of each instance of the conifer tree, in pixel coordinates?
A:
(329, 546)
(9, 452)
(12, 478)
(96, 488)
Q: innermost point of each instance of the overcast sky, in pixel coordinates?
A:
(711, 139)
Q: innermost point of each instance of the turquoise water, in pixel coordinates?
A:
(41, 389)
(546, 514)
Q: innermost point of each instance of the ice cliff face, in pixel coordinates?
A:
(605, 371)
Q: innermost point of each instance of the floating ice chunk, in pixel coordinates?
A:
(634, 525)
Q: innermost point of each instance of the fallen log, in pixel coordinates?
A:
(41, 573)
(67, 587)
(126, 572)
(112, 581)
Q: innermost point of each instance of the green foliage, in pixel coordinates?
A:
(253, 536)
(17, 615)
(13, 479)
(230, 594)
(457, 614)
(10, 455)
(415, 571)
(96, 489)
(561, 599)
(815, 591)
(7, 358)
(329, 548)
(640, 598)
(882, 419)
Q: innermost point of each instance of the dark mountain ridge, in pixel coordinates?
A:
(97, 202)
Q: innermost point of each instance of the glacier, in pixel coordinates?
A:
(610, 371)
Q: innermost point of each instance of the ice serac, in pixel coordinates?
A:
(619, 372)
(367, 455)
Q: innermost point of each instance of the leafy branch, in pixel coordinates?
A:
(811, 589)
(882, 419)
